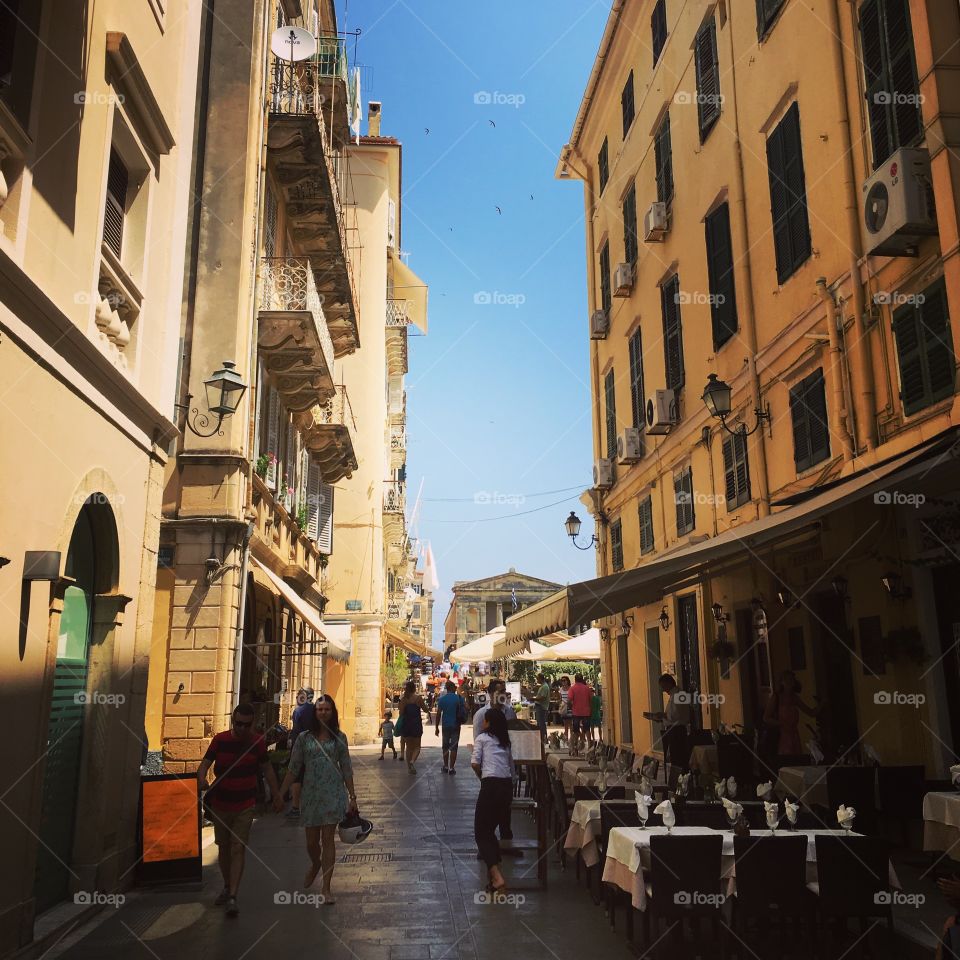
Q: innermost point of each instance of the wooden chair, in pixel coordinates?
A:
(617, 814)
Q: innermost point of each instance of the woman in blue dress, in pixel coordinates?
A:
(327, 793)
(411, 705)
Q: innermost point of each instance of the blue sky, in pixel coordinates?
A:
(498, 394)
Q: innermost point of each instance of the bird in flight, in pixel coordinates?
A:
(426, 130)
(492, 124)
(499, 211)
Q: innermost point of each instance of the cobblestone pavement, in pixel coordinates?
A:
(412, 891)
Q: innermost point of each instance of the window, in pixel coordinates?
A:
(19, 26)
(708, 77)
(890, 72)
(672, 333)
(115, 211)
(603, 164)
(767, 11)
(723, 296)
(630, 243)
(664, 156)
(924, 349)
(811, 432)
(616, 546)
(736, 471)
(606, 301)
(788, 195)
(658, 29)
(683, 496)
(636, 379)
(645, 511)
(626, 104)
(610, 399)
(270, 224)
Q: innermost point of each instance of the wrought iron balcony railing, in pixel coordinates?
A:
(397, 313)
(337, 410)
(394, 497)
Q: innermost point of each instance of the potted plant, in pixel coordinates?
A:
(302, 514)
(263, 464)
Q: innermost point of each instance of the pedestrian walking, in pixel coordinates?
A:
(237, 755)
(492, 761)
(578, 699)
(451, 715)
(541, 704)
(565, 706)
(596, 713)
(411, 723)
(386, 732)
(328, 793)
(301, 719)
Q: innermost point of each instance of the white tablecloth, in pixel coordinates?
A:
(941, 823)
(555, 758)
(584, 830)
(628, 855)
(569, 771)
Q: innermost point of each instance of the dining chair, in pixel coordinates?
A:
(617, 814)
(853, 880)
(684, 884)
(856, 787)
(901, 791)
(650, 767)
(771, 876)
(561, 820)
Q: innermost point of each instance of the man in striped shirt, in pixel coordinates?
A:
(236, 755)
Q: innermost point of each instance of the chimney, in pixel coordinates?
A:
(373, 118)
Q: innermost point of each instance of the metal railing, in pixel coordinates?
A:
(288, 285)
(397, 315)
(398, 439)
(336, 410)
(394, 497)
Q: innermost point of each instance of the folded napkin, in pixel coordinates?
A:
(792, 809)
(816, 754)
(955, 773)
(643, 804)
(772, 811)
(665, 809)
(731, 786)
(764, 789)
(720, 789)
(683, 784)
(734, 810)
(845, 816)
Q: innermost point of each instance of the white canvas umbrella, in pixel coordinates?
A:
(584, 647)
(479, 649)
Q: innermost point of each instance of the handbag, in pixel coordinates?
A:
(398, 726)
(461, 711)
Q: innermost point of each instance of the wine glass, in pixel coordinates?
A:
(732, 818)
(643, 819)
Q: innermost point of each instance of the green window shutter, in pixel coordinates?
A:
(603, 164)
(606, 301)
(742, 469)
(819, 426)
(616, 545)
(788, 195)
(664, 159)
(801, 427)
(729, 472)
(907, 116)
(636, 379)
(906, 333)
(708, 77)
(646, 525)
(935, 327)
(658, 29)
(736, 472)
(630, 242)
(626, 103)
(723, 305)
(611, 405)
(766, 11)
(875, 78)
(688, 486)
(672, 333)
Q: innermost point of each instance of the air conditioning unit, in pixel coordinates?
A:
(898, 204)
(599, 325)
(630, 445)
(623, 280)
(661, 412)
(603, 474)
(655, 222)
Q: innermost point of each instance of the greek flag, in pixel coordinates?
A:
(513, 599)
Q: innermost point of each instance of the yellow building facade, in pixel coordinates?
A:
(771, 201)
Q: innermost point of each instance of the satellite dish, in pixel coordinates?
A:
(293, 43)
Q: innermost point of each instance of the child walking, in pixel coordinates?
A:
(386, 731)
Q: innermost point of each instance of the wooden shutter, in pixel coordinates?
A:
(938, 342)
(273, 447)
(289, 465)
(606, 302)
(664, 158)
(115, 210)
(766, 11)
(630, 242)
(325, 519)
(708, 77)
(816, 399)
(637, 400)
(801, 428)
(723, 305)
(736, 474)
(672, 333)
(616, 545)
(611, 407)
(313, 500)
(788, 195)
(646, 525)
(908, 119)
(875, 79)
(270, 224)
(626, 103)
(729, 471)
(603, 164)
(303, 481)
(906, 332)
(658, 29)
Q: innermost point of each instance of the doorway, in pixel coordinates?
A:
(947, 601)
(623, 677)
(750, 694)
(834, 674)
(688, 644)
(654, 671)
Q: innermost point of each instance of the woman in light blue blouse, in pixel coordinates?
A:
(492, 762)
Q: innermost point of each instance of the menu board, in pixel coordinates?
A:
(526, 745)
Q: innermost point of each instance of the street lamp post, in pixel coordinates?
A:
(224, 390)
(572, 524)
(717, 396)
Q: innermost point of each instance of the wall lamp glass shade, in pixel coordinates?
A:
(573, 525)
(664, 619)
(224, 390)
(717, 396)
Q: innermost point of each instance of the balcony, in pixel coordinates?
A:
(396, 351)
(333, 76)
(292, 337)
(328, 434)
(394, 497)
(300, 153)
(398, 447)
(398, 313)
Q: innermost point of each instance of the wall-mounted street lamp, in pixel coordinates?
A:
(717, 396)
(718, 615)
(841, 588)
(893, 584)
(224, 391)
(572, 524)
(664, 619)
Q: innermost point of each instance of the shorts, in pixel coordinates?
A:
(580, 724)
(387, 742)
(450, 738)
(231, 826)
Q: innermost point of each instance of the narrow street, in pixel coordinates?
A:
(409, 892)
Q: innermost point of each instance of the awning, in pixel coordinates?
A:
(536, 653)
(479, 649)
(501, 650)
(410, 643)
(408, 286)
(592, 600)
(586, 646)
(339, 640)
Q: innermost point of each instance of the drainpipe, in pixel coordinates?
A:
(840, 413)
(748, 319)
(864, 399)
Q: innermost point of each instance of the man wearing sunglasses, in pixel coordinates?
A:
(237, 755)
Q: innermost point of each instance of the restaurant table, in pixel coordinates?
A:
(583, 831)
(628, 855)
(569, 771)
(555, 758)
(807, 784)
(704, 758)
(941, 823)
(589, 777)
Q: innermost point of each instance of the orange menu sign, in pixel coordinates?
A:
(170, 830)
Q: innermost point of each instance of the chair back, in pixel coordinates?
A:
(593, 793)
(771, 874)
(735, 759)
(710, 815)
(853, 874)
(901, 791)
(560, 807)
(685, 874)
(650, 767)
(619, 813)
(855, 787)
